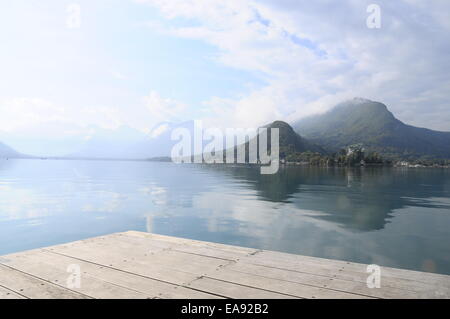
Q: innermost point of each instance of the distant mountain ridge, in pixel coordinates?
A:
(128, 143)
(145, 147)
(372, 124)
(357, 121)
(8, 152)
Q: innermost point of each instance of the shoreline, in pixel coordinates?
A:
(167, 160)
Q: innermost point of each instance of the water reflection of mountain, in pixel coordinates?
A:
(360, 199)
(311, 211)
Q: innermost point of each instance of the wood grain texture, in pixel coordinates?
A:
(137, 265)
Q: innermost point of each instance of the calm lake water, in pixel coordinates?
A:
(387, 216)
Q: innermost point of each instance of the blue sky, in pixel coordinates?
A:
(113, 59)
(237, 63)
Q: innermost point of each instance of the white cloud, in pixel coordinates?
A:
(18, 113)
(40, 127)
(314, 54)
(118, 75)
(45, 118)
(159, 130)
(162, 109)
(305, 56)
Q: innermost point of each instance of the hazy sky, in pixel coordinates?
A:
(233, 63)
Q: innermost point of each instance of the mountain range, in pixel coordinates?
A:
(373, 125)
(356, 121)
(8, 152)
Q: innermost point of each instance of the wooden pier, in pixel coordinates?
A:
(142, 265)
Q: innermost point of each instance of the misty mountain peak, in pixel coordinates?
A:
(372, 124)
(280, 125)
(359, 100)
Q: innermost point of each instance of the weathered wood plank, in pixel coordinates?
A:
(136, 247)
(353, 269)
(343, 270)
(9, 294)
(133, 254)
(394, 278)
(291, 288)
(232, 290)
(152, 287)
(142, 265)
(122, 241)
(185, 246)
(173, 267)
(100, 281)
(335, 283)
(52, 270)
(192, 242)
(32, 287)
